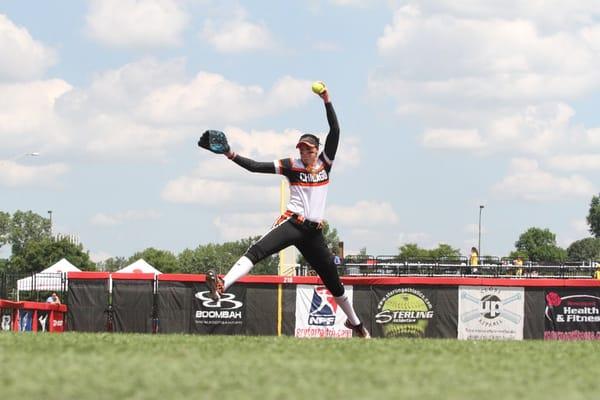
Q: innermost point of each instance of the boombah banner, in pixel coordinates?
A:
(572, 314)
(317, 313)
(185, 307)
(415, 312)
(491, 313)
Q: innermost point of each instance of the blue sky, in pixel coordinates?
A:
(443, 105)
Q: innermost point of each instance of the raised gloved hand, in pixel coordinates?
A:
(214, 141)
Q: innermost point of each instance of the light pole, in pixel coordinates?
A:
(479, 243)
(50, 216)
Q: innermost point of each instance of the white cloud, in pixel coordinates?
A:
(453, 139)
(21, 56)
(363, 214)
(136, 23)
(528, 182)
(243, 225)
(13, 174)
(575, 162)
(108, 219)
(194, 190)
(482, 60)
(27, 114)
(237, 34)
(211, 98)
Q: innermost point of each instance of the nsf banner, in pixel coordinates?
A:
(317, 313)
(490, 312)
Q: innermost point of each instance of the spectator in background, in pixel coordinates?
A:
(474, 259)
(53, 299)
(597, 272)
(336, 259)
(519, 266)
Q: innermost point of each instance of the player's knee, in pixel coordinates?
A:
(254, 254)
(337, 290)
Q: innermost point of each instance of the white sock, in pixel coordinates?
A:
(239, 269)
(343, 302)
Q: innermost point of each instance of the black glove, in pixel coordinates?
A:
(214, 141)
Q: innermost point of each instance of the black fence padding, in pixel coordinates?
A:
(362, 300)
(88, 301)
(533, 324)
(132, 303)
(174, 307)
(261, 309)
(288, 327)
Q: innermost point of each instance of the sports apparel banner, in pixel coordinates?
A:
(133, 302)
(225, 316)
(414, 312)
(88, 302)
(491, 313)
(317, 313)
(572, 314)
(43, 321)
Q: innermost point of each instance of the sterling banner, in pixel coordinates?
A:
(572, 314)
(414, 312)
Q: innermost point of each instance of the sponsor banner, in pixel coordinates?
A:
(491, 312)
(224, 316)
(42, 321)
(317, 313)
(404, 312)
(572, 314)
(57, 323)
(6, 322)
(25, 320)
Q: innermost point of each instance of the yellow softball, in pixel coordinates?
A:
(318, 87)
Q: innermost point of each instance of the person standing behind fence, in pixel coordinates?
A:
(474, 260)
(53, 299)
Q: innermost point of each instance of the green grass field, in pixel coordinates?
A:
(119, 366)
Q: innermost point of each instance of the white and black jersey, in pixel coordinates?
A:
(308, 189)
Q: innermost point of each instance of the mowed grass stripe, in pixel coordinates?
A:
(126, 366)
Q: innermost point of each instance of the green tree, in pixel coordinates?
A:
(593, 217)
(112, 264)
(25, 227)
(4, 228)
(444, 251)
(584, 249)
(222, 256)
(413, 251)
(538, 244)
(37, 255)
(162, 260)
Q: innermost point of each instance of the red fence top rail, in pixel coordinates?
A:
(359, 280)
(32, 305)
(132, 276)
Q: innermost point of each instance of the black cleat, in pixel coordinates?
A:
(359, 330)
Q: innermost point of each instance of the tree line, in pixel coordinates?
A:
(33, 248)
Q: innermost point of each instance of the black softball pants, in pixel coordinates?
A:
(310, 242)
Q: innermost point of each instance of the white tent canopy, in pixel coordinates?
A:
(140, 266)
(48, 279)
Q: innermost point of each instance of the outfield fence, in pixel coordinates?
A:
(473, 307)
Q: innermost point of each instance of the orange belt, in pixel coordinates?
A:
(299, 220)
